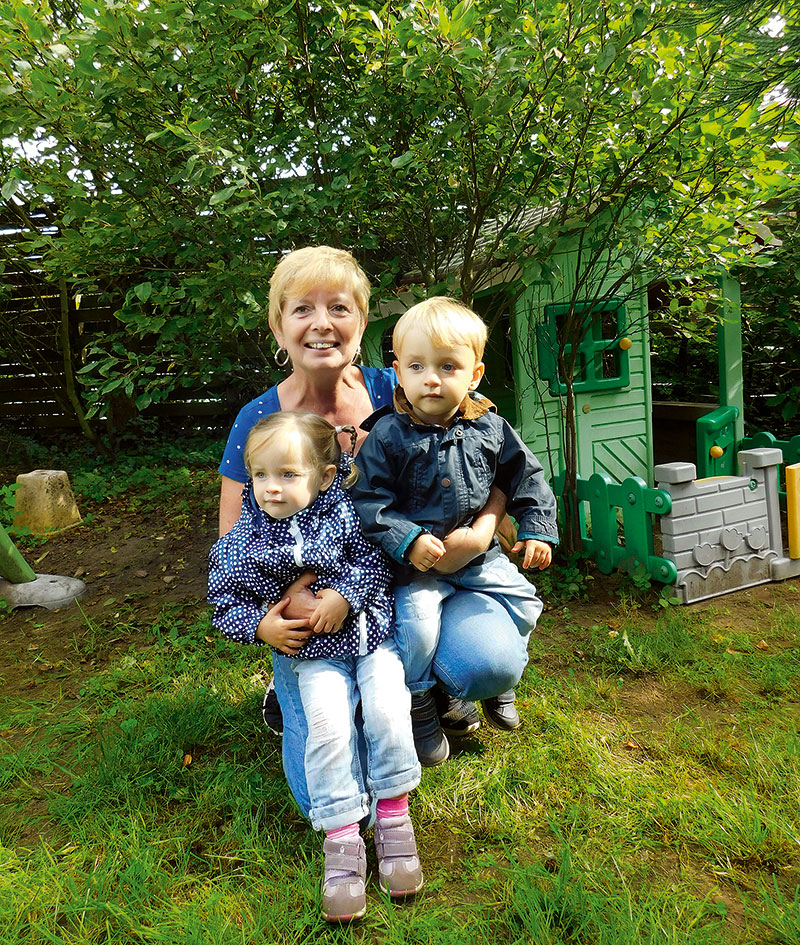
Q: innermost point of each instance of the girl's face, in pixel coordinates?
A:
(321, 329)
(283, 481)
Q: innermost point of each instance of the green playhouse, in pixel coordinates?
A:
(622, 489)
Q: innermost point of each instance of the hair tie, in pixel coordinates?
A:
(348, 428)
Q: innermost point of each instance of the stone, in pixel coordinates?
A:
(46, 590)
(45, 502)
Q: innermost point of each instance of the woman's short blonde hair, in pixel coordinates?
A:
(446, 322)
(312, 266)
(318, 440)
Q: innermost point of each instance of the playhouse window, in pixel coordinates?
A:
(600, 363)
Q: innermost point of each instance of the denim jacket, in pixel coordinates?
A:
(251, 567)
(417, 477)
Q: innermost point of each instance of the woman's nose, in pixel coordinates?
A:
(322, 317)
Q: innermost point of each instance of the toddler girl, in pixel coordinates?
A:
(296, 517)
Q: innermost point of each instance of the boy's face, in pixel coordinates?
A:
(283, 483)
(436, 378)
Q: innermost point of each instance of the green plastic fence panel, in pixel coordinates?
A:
(789, 448)
(639, 504)
(717, 429)
(13, 567)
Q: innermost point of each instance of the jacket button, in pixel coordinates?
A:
(459, 432)
(445, 482)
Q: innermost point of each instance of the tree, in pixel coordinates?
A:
(180, 145)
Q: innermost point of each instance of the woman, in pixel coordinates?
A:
(319, 299)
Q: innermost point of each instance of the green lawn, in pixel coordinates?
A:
(651, 795)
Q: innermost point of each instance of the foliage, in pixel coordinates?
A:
(177, 148)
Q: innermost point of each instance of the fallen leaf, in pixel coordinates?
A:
(762, 645)
(168, 578)
(613, 633)
(187, 760)
(631, 745)
(209, 639)
(733, 652)
(717, 638)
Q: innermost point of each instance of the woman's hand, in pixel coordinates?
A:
(285, 635)
(330, 611)
(460, 547)
(302, 601)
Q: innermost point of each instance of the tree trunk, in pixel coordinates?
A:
(69, 374)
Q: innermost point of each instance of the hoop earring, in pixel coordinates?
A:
(278, 361)
(357, 355)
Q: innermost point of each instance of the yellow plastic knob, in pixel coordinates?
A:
(625, 343)
(716, 451)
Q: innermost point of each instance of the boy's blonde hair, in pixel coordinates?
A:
(305, 269)
(320, 447)
(446, 321)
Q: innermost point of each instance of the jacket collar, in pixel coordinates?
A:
(473, 405)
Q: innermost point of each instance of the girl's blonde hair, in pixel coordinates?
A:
(305, 269)
(318, 438)
(446, 322)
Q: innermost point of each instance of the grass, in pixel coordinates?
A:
(651, 796)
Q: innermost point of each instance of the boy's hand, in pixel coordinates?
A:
(425, 551)
(285, 635)
(538, 554)
(330, 612)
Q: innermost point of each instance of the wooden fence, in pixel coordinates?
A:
(33, 390)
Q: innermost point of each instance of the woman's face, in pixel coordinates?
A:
(321, 329)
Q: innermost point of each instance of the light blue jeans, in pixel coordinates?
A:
(481, 653)
(419, 607)
(330, 691)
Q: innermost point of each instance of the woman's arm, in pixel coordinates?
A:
(464, 544)
(230, 504)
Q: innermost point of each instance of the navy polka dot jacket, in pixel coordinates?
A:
(251, 566)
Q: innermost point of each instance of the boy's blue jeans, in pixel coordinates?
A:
(481, 653)
(330, 691)
(419, 607)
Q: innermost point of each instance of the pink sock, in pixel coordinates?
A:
(348, 832)
(392, 807)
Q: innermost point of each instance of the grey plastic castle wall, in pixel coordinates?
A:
(724, 533)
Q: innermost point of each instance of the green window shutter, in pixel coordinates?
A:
(601, 363)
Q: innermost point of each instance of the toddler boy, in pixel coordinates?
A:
(427, 468)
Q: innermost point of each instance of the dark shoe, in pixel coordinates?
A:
(500, 711)
(429, 739)
(271, 710)
(457, 716)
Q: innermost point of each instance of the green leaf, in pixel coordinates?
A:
(9, 188)
(143, 291)
(403, 159)
(222, 195)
